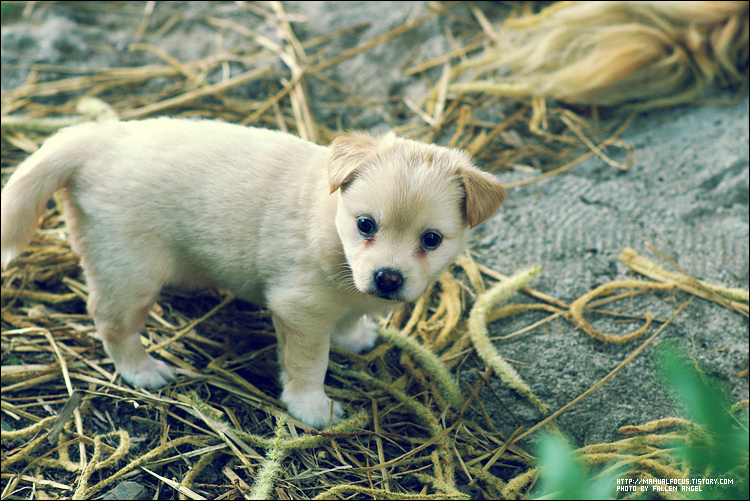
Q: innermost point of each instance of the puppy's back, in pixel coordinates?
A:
(193, 191)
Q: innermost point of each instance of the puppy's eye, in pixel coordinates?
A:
(431, 240)
(366, 226)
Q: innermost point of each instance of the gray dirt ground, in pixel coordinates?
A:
(686, 192)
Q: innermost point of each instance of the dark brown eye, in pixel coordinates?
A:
(431, 240)
(366, 226)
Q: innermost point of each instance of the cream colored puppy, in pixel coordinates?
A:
(322, 236)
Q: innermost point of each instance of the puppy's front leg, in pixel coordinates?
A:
(355, 334)
(303, 356)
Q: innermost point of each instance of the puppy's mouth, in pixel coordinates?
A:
(386, 296)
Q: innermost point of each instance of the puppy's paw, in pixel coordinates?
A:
(313, 408)
(361, 338)
(149, 373)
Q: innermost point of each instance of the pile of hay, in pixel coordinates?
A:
(644, 54)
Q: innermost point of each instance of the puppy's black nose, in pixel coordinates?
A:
(388, 281)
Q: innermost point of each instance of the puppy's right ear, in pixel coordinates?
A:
(351, 151)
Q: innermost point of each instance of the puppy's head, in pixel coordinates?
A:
(405, 209)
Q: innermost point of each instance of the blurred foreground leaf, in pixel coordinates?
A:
(719, 448)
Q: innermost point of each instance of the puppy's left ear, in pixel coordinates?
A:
(484, 195)
(351, 151)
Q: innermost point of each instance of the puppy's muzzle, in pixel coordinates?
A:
(388, 283)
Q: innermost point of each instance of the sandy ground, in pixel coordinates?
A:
(686, 192)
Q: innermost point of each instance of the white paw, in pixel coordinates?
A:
(313, 409)
(361, 338)
(149, 373)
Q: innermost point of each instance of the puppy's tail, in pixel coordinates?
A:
(35, 180)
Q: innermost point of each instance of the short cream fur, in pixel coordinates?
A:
(323, 236)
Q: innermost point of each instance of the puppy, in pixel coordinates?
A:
(324, 237)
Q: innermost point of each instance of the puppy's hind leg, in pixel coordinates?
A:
(120, 312)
